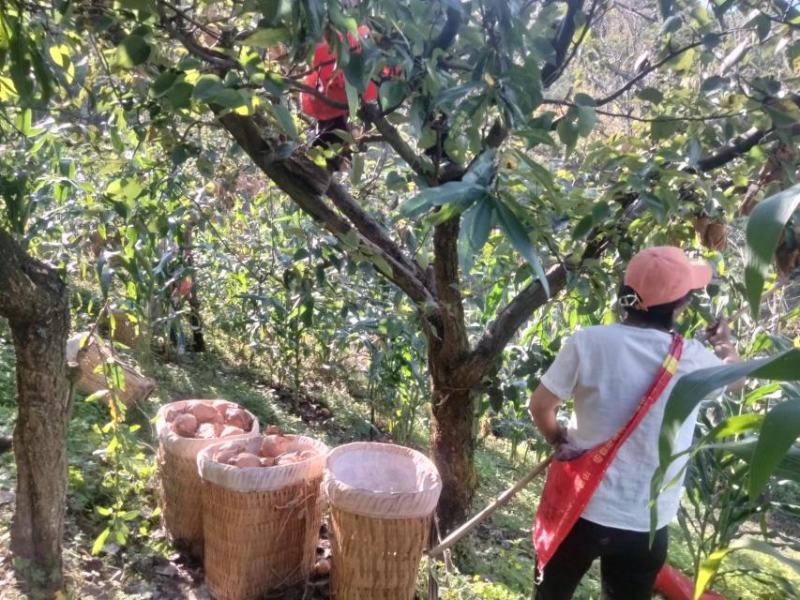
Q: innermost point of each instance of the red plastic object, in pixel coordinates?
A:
(329, 81)
(677, 586)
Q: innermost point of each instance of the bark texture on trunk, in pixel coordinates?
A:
(33, 299)
(452, 449)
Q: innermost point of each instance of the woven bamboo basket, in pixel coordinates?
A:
(382, 499)
(180, 489)
(125, 329)
(90, 356)
(260, 525)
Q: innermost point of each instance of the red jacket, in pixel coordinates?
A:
(329, 80)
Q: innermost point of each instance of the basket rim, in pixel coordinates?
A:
(208, 450)
(432, 486)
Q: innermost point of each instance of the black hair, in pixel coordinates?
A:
(661, 316)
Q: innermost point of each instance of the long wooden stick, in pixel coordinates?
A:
(501, 501)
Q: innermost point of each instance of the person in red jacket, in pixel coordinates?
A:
(329, 82)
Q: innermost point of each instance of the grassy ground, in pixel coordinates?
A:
(498, 565)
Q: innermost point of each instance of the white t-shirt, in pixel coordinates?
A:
(608, 369)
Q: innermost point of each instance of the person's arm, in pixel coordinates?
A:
(721, 340)
(543, 406)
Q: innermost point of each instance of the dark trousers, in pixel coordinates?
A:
(628, 566)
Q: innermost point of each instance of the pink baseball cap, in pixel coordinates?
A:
(664, 274)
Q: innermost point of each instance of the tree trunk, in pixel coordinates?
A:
(33, 298)
(40, 446)
(453, 450)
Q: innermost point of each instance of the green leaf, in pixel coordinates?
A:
(357, 169)
(780, 430)
(672, 24)
(708, 569)
(392, 93)
(519, 239)
(356, 72)
(98, 395)
(266, 37)
(539, 172)
(164, 82)
(133, 50)
(693, 387)
(180, 95)
(206, 87)
(684, 61)
(567, 133)
(481, 224)
(714, 83)
(763, 232)
(651, 94)
(537, 136)
(583, 227)
(737, 424)
(100, 541)
(587, 117)
(352, 97)
(284, 119)
(461, 192)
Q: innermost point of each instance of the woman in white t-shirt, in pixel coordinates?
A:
(607, 369)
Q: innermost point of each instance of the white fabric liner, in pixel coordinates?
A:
(381, 480)
(189, 447)
(262, 479)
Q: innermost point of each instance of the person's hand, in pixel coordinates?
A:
(719, 332)
(568, 451)
(719, 336)
(564, 448)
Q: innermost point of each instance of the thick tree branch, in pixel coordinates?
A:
(306, 184)
(445, 268)
(370, 229)
(212, 57)
(561, 43)
(455, 17)
(371, 113)
(733, 149)
(551, 73)
(307, 89)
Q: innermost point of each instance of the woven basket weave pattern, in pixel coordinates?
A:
(180, 487)
(375, 559)
(382, 499)
(95, 353)
(181, 500)
(259, 542)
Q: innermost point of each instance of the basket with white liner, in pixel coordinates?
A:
(382, 499)
(262, 509)
(184, 428)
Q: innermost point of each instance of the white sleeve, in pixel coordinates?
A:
(562, 375)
